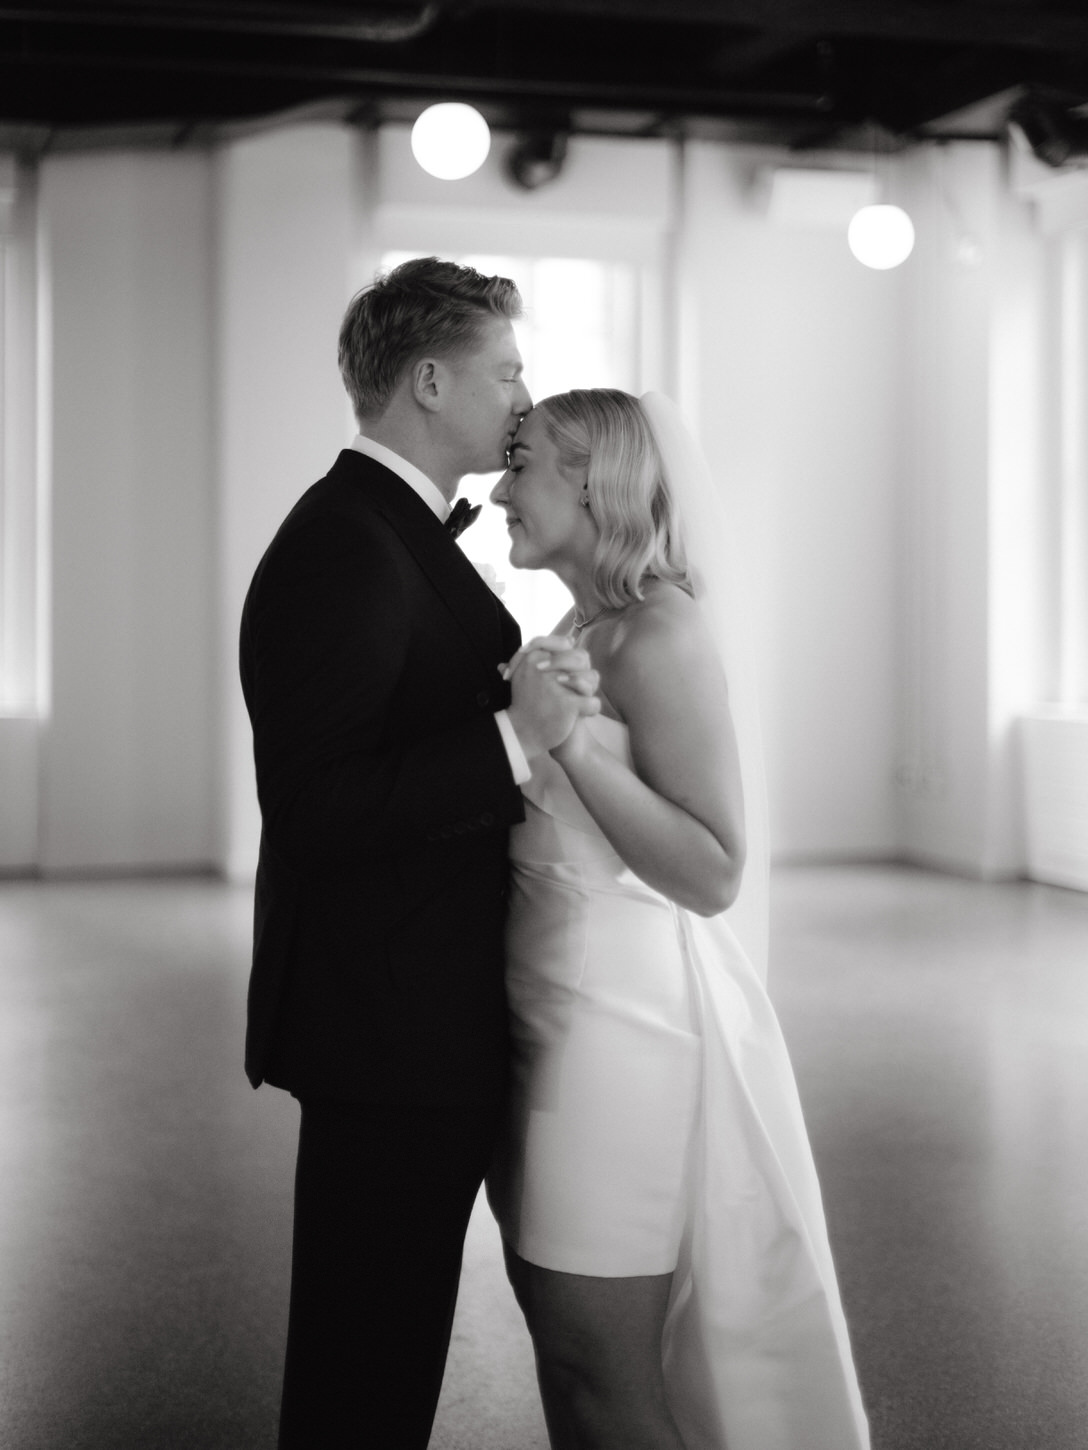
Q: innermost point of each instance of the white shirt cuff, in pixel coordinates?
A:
(514, 753)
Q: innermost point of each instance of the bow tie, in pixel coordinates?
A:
(461, 515)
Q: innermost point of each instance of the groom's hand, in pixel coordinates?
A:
(552, 683)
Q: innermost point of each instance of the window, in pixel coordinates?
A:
(19, 530)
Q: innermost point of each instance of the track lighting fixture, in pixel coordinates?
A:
(537, 157)
(1052, 131)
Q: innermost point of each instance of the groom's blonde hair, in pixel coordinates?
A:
(424, 306)
(605, 432)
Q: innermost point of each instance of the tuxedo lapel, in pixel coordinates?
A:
(482, 616)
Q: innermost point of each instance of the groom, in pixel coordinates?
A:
(389, 752)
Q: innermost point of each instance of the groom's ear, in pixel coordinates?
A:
(426, 383)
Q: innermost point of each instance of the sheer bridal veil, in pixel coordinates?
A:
(712, 552)
(756, 1348)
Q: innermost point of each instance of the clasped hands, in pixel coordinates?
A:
(553, 685)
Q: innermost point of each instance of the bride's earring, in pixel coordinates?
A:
(584, 499)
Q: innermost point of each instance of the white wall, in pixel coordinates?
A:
(190, 306)
(128, 742)
(881, 437)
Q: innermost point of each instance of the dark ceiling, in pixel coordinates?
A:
(806, 73)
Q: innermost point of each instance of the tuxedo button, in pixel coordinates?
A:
(487, 819)
(483, 699)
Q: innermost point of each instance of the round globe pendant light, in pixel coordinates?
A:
(450, 140)
(881, 236)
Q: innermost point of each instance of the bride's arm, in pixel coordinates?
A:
(678, 820)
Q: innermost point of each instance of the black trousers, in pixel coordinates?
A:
(383, 1196)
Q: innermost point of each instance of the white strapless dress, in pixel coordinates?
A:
(655, 1126)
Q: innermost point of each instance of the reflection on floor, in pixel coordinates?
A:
(940, 1034)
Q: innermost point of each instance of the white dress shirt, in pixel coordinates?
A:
(438, 504)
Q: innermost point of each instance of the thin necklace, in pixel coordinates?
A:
(579, 624)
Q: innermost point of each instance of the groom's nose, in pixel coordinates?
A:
(523, 403)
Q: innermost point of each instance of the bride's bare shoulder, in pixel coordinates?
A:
(661, 658)
(665, 613)
(665, 625)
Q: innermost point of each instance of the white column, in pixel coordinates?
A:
(1073, 660)
(128, 743)
(287, 231)
(788, 358)
(20, 636)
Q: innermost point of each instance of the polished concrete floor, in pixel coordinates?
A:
(940, 1034)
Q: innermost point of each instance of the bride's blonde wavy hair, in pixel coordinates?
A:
(604, 431)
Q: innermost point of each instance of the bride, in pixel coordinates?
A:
(654, 1187)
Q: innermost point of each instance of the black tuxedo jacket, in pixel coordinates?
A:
(369, 654)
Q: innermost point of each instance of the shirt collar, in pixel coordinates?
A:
(429, 492)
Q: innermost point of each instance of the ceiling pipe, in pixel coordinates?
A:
(229, 16)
